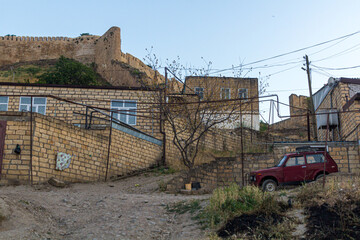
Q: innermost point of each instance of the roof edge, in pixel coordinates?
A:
(77, 86)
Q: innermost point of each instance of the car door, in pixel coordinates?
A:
(295, 169)
(315, 163)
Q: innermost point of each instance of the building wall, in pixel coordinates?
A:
(336, 99)
(147, 114)
(215, 142)
(212, 91)
(297, 122)
(16, 166)
(350, 122)
(89, 150)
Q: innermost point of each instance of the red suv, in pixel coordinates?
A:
(295, 168)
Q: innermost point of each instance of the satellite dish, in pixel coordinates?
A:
(331, 81)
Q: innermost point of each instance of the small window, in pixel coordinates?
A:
(4, 101)
(316, 158)
(127, 111)
(225, 93)
(38, 105)
(243, 93)
(199, 91)
(295, 161)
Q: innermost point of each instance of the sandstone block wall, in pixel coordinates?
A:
(24, 49)
(297, 123)
(89, 150)
(104, 51)
(227, 170)
(16, 166)
(350, 122)
(98, 97)
(336, 99)
(215, 141)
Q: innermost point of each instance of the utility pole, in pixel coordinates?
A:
(312, 108)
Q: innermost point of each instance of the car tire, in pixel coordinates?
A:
(269, 185)
(320, 176)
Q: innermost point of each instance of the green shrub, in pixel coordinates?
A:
(69, 72)
(228, 202)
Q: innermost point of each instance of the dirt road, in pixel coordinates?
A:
(133, 208)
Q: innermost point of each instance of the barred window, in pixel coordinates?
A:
(127, 113)
(38, 104)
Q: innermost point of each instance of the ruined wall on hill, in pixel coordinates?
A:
(104, 51)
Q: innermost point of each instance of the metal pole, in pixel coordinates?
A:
(162, 119)
(86, 118)
(108, 155)
(251, 114)
(325, 153)
(242, 146)
(308, 126)
(31, 140)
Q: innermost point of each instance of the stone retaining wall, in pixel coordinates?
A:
(89, 150)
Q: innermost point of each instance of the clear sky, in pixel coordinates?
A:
(226, 32)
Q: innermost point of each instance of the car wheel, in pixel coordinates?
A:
(320, 176)
(269, 185)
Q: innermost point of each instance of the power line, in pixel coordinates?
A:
(291, 52)
(342, 68)
(339, 53)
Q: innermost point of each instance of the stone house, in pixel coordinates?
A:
(229, 88)
(339, 99)
(75, 122)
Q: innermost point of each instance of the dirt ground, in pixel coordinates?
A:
(132, 208)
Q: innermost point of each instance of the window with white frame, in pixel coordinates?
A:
(4, 101)
(243, 93)
(199, 91)
(225, 93)
(127, 111)
(38, 104)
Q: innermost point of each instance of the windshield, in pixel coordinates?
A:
(281, 162)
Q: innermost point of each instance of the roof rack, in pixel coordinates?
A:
(310, 149)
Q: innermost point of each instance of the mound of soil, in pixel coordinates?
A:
(248, 223)
(336, 222)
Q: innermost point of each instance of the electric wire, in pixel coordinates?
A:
(291, 52)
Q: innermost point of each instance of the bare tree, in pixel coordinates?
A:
(190, 115)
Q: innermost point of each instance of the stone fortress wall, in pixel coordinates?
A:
(104, 51)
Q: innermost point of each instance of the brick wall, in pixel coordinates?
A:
(350, 122)
(212, 91)
(295, 127)
(216, 142)
(336, 99)
(16, 166)
(93, 96)
(89, 149)
(223, 171)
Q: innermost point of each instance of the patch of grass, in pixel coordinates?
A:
(182, 207)
(334, 211)
(308, 193)
(162, 171)
(280, 230)
(162, 186)
(229, 202)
